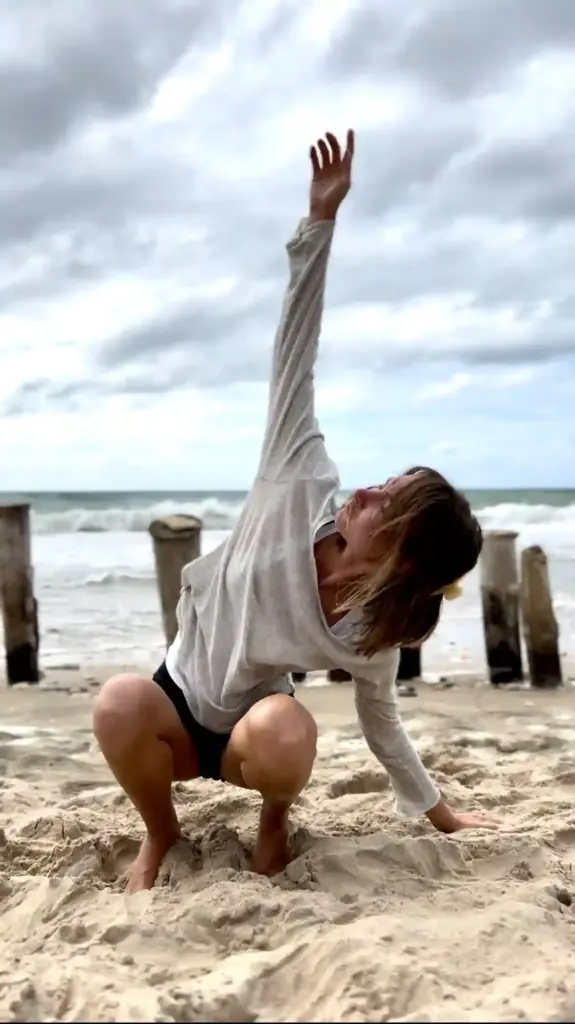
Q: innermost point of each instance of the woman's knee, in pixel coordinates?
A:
(132, 716)
(275, 746)
(119, 715)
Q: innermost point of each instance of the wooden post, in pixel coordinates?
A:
(335, 675)
(19, 609)
(176, 542)
(338, 675)
(500, 605)
(540, 628)
(409, 663)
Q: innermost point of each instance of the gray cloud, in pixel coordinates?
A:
(56, 196)
(441, 264)
(465, 48)
(72, 396)
(203, 328)
(85, 60)
(367, 39)
(456, 49)
(527, 180)
(404, 161)
(187, 203)
(215, 358)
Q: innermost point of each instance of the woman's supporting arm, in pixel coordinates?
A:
(416, 792)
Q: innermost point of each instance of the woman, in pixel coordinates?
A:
(298, 586)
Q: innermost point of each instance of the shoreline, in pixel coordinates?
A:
(52, 695)
(72, 677)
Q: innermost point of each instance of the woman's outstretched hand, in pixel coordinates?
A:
(471, 819)
(331, 176)
(444, 819)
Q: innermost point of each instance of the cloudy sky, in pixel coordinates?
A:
(153, 163)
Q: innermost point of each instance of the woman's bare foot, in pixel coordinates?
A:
(271, 854)
(144, 870)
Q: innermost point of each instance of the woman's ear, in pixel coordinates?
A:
(405, 567)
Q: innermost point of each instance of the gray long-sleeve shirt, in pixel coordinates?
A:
(250, 611)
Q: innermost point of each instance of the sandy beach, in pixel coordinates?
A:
(376, 918)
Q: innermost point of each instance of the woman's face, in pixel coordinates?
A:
(359, 521)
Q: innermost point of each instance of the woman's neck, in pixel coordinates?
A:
(327, 555)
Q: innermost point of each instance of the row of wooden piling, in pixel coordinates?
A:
(515, 598)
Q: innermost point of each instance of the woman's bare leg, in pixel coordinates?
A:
(147, 748)
(272, 750)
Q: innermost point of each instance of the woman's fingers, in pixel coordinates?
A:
(335, 147)
(350, 144)
(314, 161)
(325, 154)
(329, 154)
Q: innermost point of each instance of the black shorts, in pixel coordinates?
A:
(209, 746)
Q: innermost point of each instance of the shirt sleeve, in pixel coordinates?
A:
(386, 737)
(292, 431)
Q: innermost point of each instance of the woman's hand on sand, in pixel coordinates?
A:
(331, 176)
(446, 820)
(472, 819)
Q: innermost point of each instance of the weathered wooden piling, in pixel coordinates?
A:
(409, 664)
(338, 675)
(500, 606)
(540, 628)
(409, 669)
(335, 675)
(19, 608)
(177, 541)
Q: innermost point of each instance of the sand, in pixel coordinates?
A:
(375, 919)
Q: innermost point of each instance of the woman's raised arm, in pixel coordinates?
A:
(291, 427)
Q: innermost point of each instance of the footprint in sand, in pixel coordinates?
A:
(361, 781)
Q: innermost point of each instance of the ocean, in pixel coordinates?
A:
(94, 572)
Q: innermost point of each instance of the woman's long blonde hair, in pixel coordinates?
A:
(431, 540)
